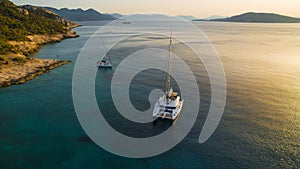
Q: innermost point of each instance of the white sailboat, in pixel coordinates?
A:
(105, 62)
(169, 105)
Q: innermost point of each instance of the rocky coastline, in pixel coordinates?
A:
(36, 41)
(24, 30)
(17, 68)
(20, 73)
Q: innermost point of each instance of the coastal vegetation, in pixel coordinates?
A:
(23, 29)
(18, 22)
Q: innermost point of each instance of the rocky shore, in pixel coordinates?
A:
(24, 30)
(17, 68)
(22, 72)
(36, 41)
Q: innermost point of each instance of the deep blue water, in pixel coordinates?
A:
(259, 129)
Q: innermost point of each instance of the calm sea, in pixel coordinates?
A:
(260, 127)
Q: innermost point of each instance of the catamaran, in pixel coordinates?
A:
(105, 62)
(169, 105)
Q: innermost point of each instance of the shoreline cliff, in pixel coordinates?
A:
(24, 30)
(18, 68)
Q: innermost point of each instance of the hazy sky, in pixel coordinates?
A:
(198, 8)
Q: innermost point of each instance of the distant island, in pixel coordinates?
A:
(215, 17)
(187, 17)
(257, 18)
(81, 15)
(23, 30)
(116, 15)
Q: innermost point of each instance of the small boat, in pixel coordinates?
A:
(105, 62)
(126, 22)
(169, 105)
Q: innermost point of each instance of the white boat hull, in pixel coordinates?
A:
(104, 65)
(167, 110)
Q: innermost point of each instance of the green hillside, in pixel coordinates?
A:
(17, 22)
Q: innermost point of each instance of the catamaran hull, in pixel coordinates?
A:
(104, 66)
(160, 111)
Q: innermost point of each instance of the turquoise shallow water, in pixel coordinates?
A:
(259, 129)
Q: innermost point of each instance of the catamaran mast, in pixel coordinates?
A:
(168, 85)
(108, 56)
